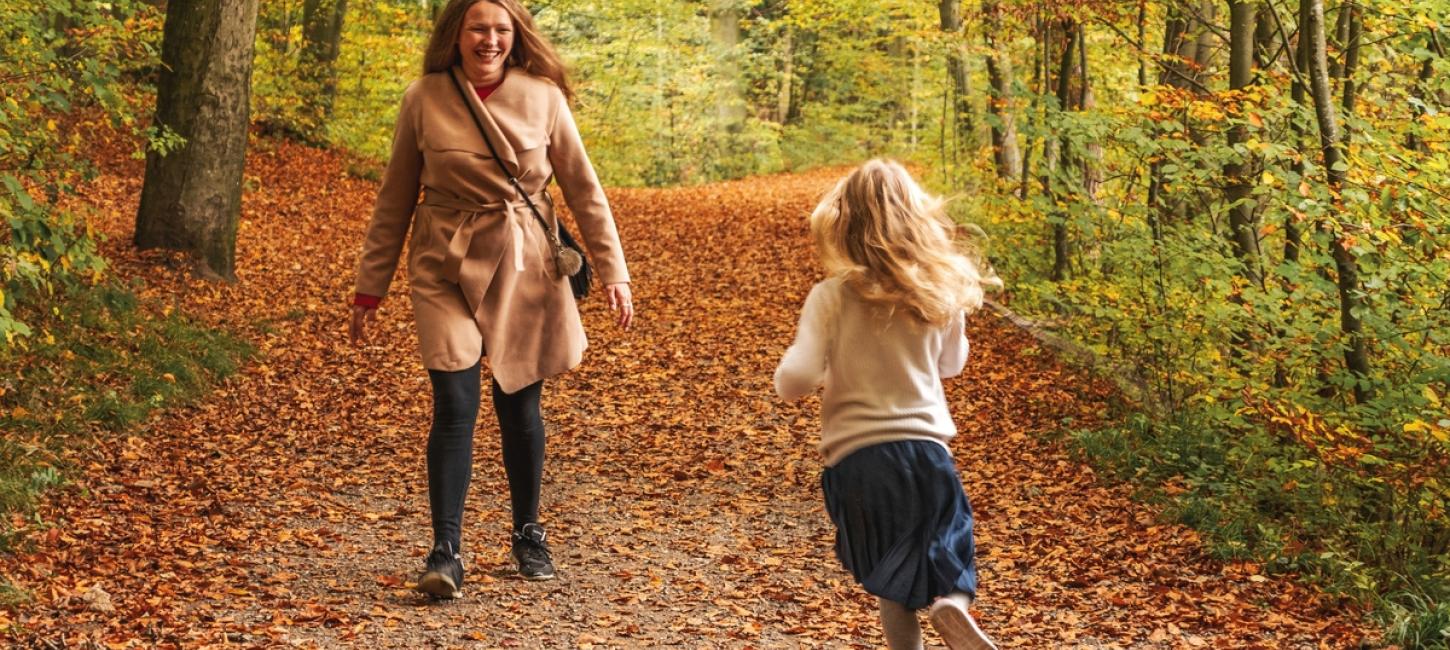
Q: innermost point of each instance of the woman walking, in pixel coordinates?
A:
(480, 135)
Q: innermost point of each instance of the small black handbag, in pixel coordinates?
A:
(568, 256)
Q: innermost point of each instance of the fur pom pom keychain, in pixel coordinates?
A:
(568, 260)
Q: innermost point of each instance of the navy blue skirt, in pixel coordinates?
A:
(903, 523)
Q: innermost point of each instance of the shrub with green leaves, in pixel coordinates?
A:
(58, 58)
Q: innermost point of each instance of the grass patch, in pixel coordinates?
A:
(1416, 622)
(11, 595)
(101, 362)
(1253, 496)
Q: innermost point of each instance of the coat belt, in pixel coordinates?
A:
(471, 269)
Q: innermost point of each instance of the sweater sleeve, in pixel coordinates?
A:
(393, 211)
(804, 366)
(955, 347)
(585, 196)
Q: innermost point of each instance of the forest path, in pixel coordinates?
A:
(682, 499)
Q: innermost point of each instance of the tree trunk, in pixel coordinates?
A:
(191, 198)
(1175, 30)
(61, 21)
(1331, 139)
(1061, 251)
(783, 96)
(1203, 44)
(1039, 90)
(1186, 52)
(1000, 104)
(1420, 91)
(1264, 37)
(1243, 231)
(1092, 172)
(962, 117)
(1351, 57)
(1142, 43)
(1298, 91)
(730, 101)
(321, 42)
(1336, 43)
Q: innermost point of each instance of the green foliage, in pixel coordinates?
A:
(665, 96)
(1417, 622)
(57, 57)
(381, 52)
(103, 368)
(1249, 429)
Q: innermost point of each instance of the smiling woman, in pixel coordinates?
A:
(485, 42)
(477, 35)
(482, 265)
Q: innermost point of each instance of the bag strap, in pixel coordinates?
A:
(548, 230)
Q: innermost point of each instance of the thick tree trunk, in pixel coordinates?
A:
(321, 43)
(1331, 139)
(962, 117)
(1000, 104)
(1243, 231)
(191, 199)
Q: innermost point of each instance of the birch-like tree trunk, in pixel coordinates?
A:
(963, 122)
(1000, 104)
(1331, 139)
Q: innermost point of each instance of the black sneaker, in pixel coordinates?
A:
(442, 573)
(532, 553)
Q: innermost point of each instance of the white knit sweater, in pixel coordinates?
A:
(882, 373)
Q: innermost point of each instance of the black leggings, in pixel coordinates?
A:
(450, 449)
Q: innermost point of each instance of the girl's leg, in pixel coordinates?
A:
(522, 427)
(951, 618)
(903, 630)
(450, 450)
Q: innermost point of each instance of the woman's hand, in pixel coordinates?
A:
(620, 301)
(361, 316)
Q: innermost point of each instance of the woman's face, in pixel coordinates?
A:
(485, 41)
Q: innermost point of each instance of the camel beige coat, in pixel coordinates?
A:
(480, 266)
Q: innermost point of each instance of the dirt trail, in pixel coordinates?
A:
(682, 500)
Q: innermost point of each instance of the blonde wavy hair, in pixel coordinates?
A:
(894, 244)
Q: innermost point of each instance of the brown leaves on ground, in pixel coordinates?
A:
(682, 500)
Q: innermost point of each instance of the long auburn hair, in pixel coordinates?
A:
(531, 51)
(894, 244)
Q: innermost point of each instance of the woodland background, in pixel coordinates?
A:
(1242, 225)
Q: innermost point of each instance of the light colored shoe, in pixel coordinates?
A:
(950, 618)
